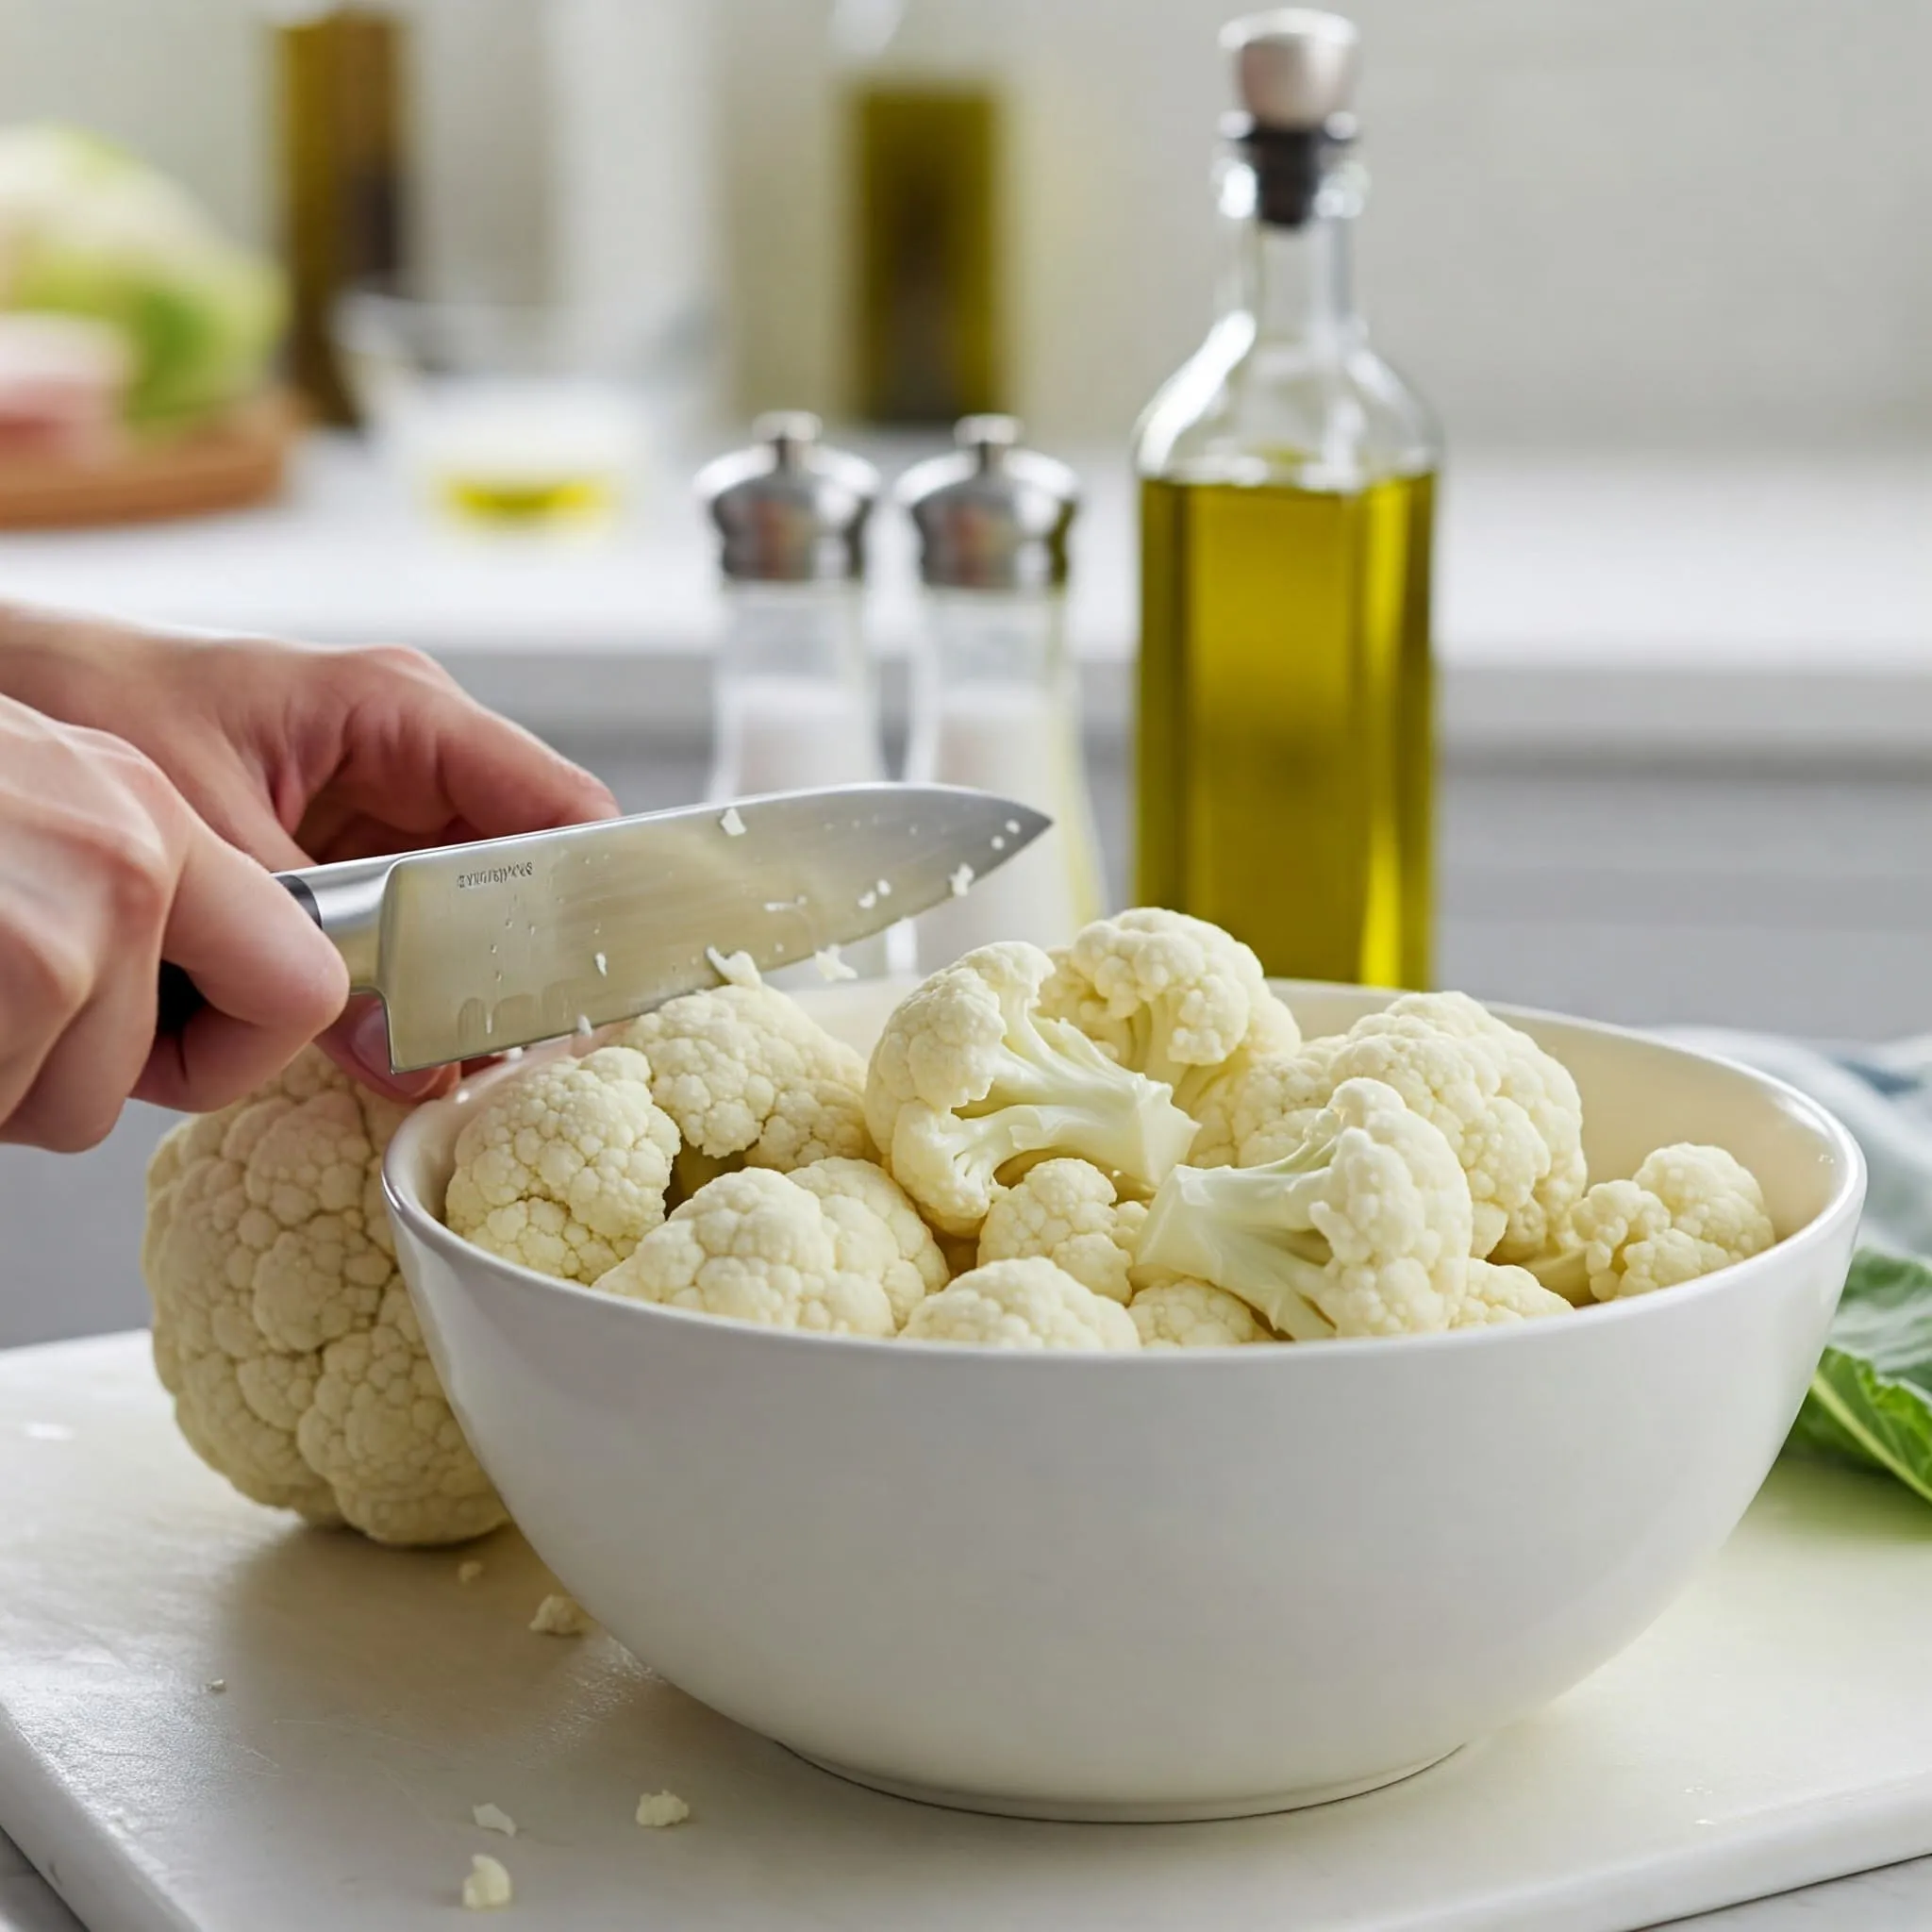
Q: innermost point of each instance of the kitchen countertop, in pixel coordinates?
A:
(1753, 603)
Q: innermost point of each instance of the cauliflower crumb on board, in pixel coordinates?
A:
(735, 969)
(732, 824)
(487, 1887)
(656, 1811)
(559, 1615)
(469, 1572)
(831, 966)
(493, 1817)
(216, 1685)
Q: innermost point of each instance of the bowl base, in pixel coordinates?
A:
(1130, 1811)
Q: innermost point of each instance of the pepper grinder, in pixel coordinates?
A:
(996, 702)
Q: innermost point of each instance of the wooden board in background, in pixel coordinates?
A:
(230, 464)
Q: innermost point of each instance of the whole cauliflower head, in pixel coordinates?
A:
(564, 1166)
(753, 1246)
(1687, 1212)
(1362, 1229)
(282, 1327)
(751, 1079)
(1024, 1304)
(876, 1231)
(1193, 1314)
(970, 1082)
(1071, 1213)
(1169, 996)
(1493, 1296)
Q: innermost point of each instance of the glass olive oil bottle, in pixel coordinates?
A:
(925, 137)
(1287, 507)
(341, 111)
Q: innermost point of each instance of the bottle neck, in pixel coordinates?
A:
(1292, 282)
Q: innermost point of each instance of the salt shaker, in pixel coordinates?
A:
(996, 702)
(793, 703)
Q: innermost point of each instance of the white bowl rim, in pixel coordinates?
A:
(1846, 1200)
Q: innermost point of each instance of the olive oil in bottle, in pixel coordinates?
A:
(1287, 499)
(340, 91)
(924, 126)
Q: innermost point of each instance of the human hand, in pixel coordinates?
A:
(105, 869)
(302, 756)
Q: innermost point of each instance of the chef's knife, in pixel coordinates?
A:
(481, 947)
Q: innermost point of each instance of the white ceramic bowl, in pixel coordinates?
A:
(1161, 1585)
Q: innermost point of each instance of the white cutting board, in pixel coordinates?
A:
(1775, 1728)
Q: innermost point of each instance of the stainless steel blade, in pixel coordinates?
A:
(485, 947)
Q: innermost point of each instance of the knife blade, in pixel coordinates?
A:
(481, 947)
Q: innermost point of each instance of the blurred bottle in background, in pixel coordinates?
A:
(340, 102)
(537, 318)
(995, 700)
(922, 192)
(1286, 500)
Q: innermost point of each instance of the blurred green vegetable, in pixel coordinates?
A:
(87, 229)
(1870, 1399)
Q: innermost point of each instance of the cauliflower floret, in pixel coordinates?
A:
(1688, 1210)
(969, 1079)
(1193, 1314)
(752, 1080)
(563, 1167)
(1169, 996)
(282, 1328)
(1273, 1033)
(378, 1429)
(1455, 1082)
(1543, 1087)
(1268, 1101)
(1023, 1304)
(1363, 1229)
(754, 1247)
(1494, 1297)
(876, 1231)
(1070, 1213)
(1509, 1109)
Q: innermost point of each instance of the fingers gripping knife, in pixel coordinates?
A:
(478, 948)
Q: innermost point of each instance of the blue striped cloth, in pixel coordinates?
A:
(1882, 1094)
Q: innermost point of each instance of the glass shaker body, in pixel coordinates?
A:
(794, 699)
(996, 706)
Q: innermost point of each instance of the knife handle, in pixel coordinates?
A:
(177, 999)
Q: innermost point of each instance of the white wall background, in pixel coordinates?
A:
(1658, 222)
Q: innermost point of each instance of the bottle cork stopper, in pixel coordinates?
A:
(1294, 68)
